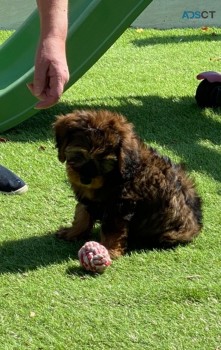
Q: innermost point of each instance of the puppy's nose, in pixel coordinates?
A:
(88, 172)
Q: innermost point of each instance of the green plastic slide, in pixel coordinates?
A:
(94, 25)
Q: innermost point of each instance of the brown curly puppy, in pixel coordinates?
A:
(140, 198)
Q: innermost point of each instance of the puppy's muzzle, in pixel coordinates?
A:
(87, 172)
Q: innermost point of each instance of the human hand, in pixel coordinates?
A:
(51, 72)
(211, 76)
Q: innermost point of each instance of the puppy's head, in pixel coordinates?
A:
(95, 144)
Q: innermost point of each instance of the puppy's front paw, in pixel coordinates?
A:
(66, 233)
(115, 253)
(71, 234)
(115, 243)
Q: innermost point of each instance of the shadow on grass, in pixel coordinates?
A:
(179, 38)
(27, 254)
(174, 122)
(20, 256)
(78, 271)
(34, 252)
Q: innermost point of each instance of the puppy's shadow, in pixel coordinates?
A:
(19, 256)
(31, 253)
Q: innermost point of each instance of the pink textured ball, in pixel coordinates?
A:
(94, 257)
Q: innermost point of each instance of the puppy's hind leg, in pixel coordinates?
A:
(81, 225)
(187, 220)
(173, 238)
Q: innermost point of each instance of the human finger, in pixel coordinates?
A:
(52, 94)
(211, 76)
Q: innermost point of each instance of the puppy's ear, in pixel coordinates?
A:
(61, 137)
(129, 153)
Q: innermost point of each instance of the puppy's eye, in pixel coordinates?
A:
(108, 164)
(77, 158)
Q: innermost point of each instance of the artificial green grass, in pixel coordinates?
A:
(164, 300)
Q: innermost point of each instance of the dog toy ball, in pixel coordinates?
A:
(208, 94)
(94, 257)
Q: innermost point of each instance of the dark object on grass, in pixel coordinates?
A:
(208, 94)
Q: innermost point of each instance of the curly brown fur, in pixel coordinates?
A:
(140, 198)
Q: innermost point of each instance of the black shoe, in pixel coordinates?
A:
(11, 183)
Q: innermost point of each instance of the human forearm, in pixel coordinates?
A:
(53, 18)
